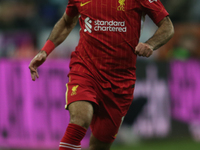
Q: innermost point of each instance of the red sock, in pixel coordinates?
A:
(72, 138)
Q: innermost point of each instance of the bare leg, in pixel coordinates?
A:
(81, 113)
(95, 144)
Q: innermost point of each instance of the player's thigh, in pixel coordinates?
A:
(81, 113)
(96, 144)
(80, 98)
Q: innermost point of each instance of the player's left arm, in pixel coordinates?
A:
(162, 35)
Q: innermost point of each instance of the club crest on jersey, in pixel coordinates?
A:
(121, 5)
(74, 90)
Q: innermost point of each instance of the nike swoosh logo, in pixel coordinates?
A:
(82, 4)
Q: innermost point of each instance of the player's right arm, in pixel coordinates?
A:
(59, 33)
(62, 29)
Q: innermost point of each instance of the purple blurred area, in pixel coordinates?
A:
(32, 114)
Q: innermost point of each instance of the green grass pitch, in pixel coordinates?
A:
(165, 144)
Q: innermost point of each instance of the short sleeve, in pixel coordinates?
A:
(154, 8)
(71, 9)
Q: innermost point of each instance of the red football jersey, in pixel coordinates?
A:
(110, 31)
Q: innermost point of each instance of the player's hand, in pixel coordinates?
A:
(36, 62)
(144, 49)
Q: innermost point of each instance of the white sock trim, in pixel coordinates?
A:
(62, 144)
(69, 147)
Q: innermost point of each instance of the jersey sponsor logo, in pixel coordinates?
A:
(101, 25)
(88, 26)
(121, 5)
(151, 1)
(74, 90)
(83, 4)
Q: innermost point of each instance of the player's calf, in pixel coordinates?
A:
(72, 138)
(81, 113)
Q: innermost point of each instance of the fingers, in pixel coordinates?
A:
(149, 53)
(35, 63)
(143, 49)
(34, 73)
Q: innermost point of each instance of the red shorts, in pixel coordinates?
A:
(109, 108)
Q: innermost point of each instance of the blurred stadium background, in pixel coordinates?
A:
(165, 113)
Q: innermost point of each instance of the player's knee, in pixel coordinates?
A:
(81, 120)
(81, 113)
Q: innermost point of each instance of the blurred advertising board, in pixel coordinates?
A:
(184, 85)
(152, 86)
(32, 114)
